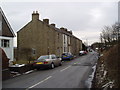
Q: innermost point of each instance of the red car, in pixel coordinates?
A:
(82, 53)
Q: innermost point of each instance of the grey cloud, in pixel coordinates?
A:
(74, 16)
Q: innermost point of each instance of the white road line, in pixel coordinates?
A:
(65, 68)
(39, 82)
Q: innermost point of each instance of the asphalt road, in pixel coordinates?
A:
(72, 74)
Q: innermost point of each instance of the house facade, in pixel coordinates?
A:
(6, 36)
(41, 38)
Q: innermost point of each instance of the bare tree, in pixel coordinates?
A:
(110, 34)
(29, 54)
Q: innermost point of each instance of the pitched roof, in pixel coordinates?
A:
(12, 34)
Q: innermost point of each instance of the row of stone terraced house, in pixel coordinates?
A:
(41, 38)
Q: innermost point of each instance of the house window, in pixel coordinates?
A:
(64, 49)
(34, 51)
(5, 43)
(58, 35)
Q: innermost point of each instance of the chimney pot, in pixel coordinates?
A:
(33, 12)
(36, 11)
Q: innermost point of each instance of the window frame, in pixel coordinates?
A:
(5, 43)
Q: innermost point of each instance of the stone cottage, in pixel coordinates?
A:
(41, 38)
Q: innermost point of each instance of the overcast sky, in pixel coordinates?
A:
(85, 19)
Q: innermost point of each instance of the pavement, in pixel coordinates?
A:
(72, 74)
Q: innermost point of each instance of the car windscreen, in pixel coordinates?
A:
(42, 58)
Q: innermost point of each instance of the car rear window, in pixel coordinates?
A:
(42, 58)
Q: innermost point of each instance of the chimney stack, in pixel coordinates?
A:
(70, 32)
(64, 29)
(35, 15)
(46, 21)
(53, 24)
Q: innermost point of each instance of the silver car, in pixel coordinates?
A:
(47, 61)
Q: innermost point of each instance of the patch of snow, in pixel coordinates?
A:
(90, 79)
(105, 72)
(101, 55)
(102, 67)
(94, 67)
(110, 84)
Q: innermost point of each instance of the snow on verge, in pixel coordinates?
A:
(90, 79)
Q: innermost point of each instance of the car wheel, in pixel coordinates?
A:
(60, 63)
(52, 65)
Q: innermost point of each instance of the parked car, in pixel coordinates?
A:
(47, 61)
(67, 56)
(82, 53)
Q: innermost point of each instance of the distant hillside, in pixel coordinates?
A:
(108, 69)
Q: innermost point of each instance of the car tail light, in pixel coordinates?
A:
(45, 62)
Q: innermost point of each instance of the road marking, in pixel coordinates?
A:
(28, 72)
(65, 68)
(39, 83)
